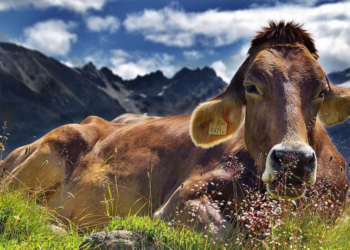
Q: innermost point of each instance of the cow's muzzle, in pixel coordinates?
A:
(289, 169)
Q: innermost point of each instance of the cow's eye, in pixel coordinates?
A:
(252, 89)
(322, 94)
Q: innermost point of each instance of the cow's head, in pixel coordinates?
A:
(278, 91)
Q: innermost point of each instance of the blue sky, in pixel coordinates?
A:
(135, 37)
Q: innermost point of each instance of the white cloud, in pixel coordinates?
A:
(221, 70)
(174, 27)
(74, 5)
(329, 24)
(108, 23)
(68, 64)
(130, 65)
(193, 55)
(52, 37)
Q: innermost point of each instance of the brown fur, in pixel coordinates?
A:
(156, 163)
(284, 33)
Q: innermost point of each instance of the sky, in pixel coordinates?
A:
(136, 37)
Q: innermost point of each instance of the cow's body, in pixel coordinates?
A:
(154, 161)
(264, 128)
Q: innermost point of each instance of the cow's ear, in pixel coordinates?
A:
(217, 120)
(336, 106)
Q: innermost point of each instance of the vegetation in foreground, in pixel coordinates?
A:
(24, 224)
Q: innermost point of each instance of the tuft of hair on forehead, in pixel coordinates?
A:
(284, 33)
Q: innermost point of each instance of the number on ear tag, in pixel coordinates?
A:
(218, 127)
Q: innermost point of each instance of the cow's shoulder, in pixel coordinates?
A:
(89, 131)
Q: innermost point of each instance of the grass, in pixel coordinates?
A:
(24, 224)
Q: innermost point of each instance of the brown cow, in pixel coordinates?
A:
(133, 118)
(264, 124)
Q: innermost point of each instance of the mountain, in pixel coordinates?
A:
(158, 95)
(38, 93)
(340, 77)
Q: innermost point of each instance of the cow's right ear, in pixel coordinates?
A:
(215, 121)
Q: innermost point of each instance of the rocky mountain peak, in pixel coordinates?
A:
(153, 76)
(189, 73)
(89, 67)
(110, 75)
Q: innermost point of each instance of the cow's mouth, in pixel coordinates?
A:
(287, 190)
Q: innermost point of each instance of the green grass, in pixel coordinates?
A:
(25, 225)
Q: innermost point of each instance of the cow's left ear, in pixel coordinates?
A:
(336, 106)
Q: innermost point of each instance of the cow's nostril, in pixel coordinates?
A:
(276, 156)
(311, 157)
(279, 155)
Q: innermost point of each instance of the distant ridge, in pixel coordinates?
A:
(340, 77)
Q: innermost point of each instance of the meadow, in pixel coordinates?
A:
(25, 224)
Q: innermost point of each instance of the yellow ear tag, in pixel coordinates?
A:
(218, 127)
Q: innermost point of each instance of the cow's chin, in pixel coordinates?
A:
(291, 192)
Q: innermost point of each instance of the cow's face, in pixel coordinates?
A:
(284, 90)
(277, 94)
